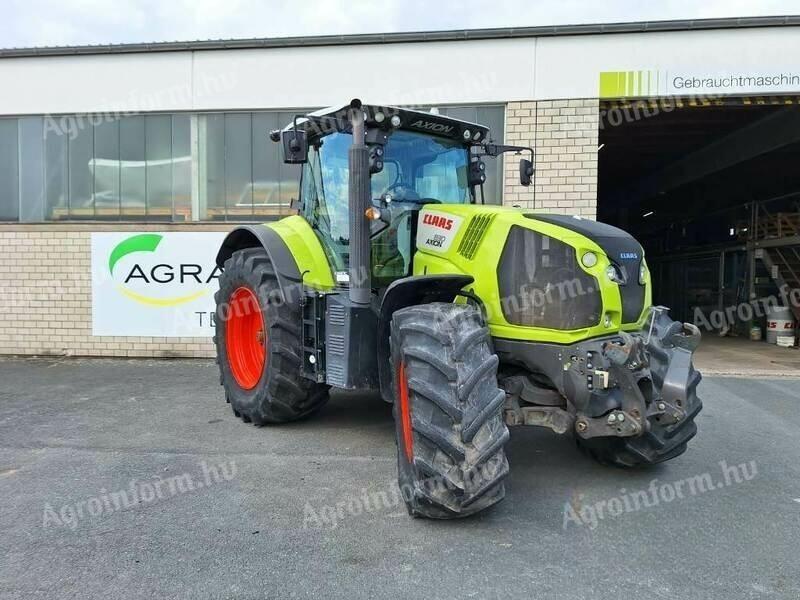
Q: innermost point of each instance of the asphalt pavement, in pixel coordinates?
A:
(133, 479)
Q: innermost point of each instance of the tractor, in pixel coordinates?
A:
(393, 275)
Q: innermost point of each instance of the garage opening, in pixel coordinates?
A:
(712, 190)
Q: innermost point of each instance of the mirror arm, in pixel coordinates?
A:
(526, 166)
(294, 145)
(498, 149)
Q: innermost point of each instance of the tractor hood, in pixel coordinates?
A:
(624, 252)
(540, 276)
(618, 245)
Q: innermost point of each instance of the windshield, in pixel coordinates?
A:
(417, 168)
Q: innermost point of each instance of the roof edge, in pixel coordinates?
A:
(405, 37)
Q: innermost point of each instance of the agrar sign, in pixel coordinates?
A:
(154, 284)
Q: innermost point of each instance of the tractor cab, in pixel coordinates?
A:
(414, 159)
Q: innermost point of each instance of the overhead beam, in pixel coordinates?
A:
(778, 242)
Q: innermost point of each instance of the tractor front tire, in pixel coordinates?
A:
(448, 411)
(259, 347)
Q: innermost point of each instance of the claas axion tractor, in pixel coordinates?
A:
(395, 276)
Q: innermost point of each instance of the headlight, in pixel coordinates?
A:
(395, 121)
(642, 274)
(612, 272)
(467, 134)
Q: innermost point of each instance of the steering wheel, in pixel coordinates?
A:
(407, 192)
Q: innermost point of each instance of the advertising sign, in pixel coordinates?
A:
(154, 284)
(626, 84)
(711, 62)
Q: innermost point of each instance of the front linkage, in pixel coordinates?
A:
(630, 398)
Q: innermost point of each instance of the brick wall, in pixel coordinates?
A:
(46, 299)
(563, 134)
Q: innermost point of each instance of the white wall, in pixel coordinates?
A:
(77, 84)
(463, 72)
(418, 73)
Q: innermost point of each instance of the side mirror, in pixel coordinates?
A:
(525, 172)
(295, 146)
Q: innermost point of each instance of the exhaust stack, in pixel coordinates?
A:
(359, 202)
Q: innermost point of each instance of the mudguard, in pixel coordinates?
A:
(252, 236)
(409, 291)
(303, 278)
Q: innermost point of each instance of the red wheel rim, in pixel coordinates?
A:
(245, 338)
(405, 413)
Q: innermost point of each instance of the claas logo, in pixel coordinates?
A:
(158, 278)
(438, 221)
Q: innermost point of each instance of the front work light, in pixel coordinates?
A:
(589, 260)
(612, 272)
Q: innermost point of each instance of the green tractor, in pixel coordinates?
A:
(394, 276)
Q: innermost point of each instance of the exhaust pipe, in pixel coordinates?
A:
(359, 202)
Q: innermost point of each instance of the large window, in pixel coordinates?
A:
(131, 169)
(162, 167)
(241, 174)
(9, 170)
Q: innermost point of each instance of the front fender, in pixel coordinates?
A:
(409, 291)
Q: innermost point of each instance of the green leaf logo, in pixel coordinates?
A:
(145, 242)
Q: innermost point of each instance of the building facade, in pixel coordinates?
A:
(165, 139)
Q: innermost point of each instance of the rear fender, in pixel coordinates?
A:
(253, 236)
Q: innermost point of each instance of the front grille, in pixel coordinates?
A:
(632, 294)
(542, 285)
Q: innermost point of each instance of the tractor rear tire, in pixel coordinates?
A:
(448, 411)
(259, 347)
